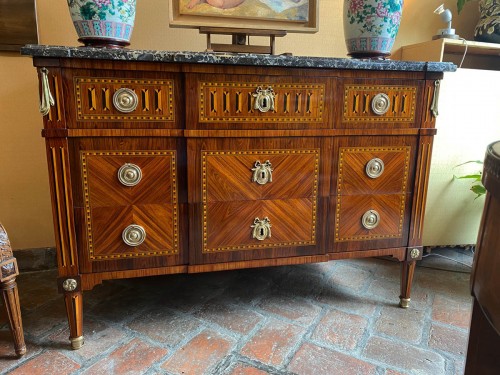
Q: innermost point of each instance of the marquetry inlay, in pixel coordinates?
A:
(422, 178)
(358, 103)
(349, 151)
(313, 197)
(94, 99)
(235, 102)
(58, 162)
(131, 252)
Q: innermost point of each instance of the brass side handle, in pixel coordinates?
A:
(261, 229)
(374, 168)
(370, 219)
(47, 100)
(129, 174)
(380, 104)
(262, 172)
(125, 100)
(134, 235)
(264, 99)
(435, 99)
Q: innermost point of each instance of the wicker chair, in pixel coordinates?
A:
(8, 273)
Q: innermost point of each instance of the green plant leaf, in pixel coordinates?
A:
(478, 189)
(468, 162)
(460, 5)
(475, 177)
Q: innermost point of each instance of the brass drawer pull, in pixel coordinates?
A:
(264, 99)
(374, 168)
(134, 235)
(370, 219)
(262, 172)
(125, 100)
(261, 229)
(129, 174)
(380, 104)
(47, 99)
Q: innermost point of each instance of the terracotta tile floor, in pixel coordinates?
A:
(320, 319)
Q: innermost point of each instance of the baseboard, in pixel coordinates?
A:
(36, 259)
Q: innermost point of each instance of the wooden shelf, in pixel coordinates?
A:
(448, 49)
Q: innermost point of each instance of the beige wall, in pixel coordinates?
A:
(24, 195)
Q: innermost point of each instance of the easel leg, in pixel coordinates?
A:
(13, 308)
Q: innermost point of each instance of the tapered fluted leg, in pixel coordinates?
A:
(74, 310)
(11, 302)
(407, 270)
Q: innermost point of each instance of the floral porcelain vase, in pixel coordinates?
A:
(371, 26)
(103, 23)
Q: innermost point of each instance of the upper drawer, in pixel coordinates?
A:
(122, 178)
(368, 170)
(372, 104)
(255, 175)
(249, 102)
(124, 99)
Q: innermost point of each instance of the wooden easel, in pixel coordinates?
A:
(240, 38)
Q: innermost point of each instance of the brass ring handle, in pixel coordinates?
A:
(125, 100)
(261, 229)
(129, 174)
(374, 168)
(264, 99)
(380, 104)
(370, 219)
(47, 99)
(133, 235)
(262, 172)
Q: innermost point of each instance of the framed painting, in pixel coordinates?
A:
(17, 24)
(287, 15)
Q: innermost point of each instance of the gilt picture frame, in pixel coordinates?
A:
(299, 16)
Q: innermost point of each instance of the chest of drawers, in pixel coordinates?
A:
(165, 163)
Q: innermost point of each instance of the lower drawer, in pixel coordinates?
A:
(133, 231)
(249, 225)
(370, 217)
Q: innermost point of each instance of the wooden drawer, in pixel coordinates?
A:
(115, 198)
(230, 226)
(366, 170)
(123, 99)
(251, 102)
(381, 103)
(370, 217)
(255, 175)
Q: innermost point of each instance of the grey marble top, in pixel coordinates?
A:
(233, 59)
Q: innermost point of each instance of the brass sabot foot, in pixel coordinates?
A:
(76, 343)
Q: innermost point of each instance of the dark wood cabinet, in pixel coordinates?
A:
(178, 167)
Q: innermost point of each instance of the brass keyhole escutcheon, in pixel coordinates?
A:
(261, 229)
(264, 99)
(262, 172)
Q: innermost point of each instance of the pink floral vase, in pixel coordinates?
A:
(371, 26)
(103, 23)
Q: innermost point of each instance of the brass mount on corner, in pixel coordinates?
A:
(241, 40)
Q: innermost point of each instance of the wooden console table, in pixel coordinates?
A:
(167, 162)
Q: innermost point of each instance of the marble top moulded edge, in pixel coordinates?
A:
(36, 50)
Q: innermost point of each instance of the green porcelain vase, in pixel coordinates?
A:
(103, 23)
